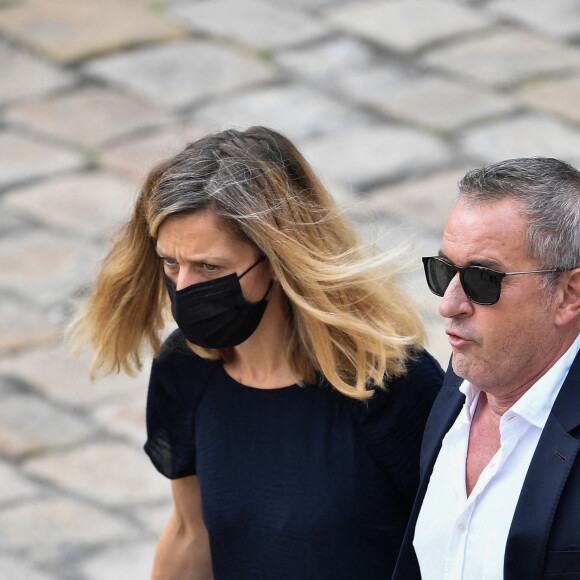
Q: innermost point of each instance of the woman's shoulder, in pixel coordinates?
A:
(178, 366)
(422, 372)
(392, 421)
(414, 389)
(175, 350)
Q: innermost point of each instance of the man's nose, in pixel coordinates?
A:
(455, 302)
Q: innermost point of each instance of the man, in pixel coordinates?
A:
(500, 470)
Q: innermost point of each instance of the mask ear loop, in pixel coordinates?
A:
(261, 259)
(268, 290)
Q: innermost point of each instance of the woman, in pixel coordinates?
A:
(289, 406)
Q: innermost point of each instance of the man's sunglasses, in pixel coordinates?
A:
(481, 285)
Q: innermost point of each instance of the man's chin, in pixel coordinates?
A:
(460, 364)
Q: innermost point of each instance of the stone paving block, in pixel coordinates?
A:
(125, 417)
(28, 424)
(526, 136)
(251, 22)
(296, 111)
(409, 243)
(25, 262)
(24, 159)
(438, 104)
(14, 487)
(51, 530)
(15, 569)
(504, 58)
(324, 62)
(121, 562)
(557, 18)
(423, 299)
(89, 116)
(558, 96)
(408, 25)
(370, 154)
(383, 232)
(405, 239)
(114, 474)
(437, 343)
(312, 5)
(25, 76)
(426, 201)
(135, 157)
(50, 370)
(13, 222)
(154, 518)
(177, 74)
(342, 193)
(71, 30)
(23, 324)
(88, 204)
(371, 82)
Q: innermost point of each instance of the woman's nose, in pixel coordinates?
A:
(186, 278)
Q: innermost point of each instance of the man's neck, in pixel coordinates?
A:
(484, 441)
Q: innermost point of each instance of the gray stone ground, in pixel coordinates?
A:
(391, 101)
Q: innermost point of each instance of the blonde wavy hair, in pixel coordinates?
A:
(350, 321)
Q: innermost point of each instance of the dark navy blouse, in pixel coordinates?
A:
(300, 482)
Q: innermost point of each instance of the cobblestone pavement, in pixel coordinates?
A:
(391, 101)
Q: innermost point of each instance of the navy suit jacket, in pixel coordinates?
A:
(544, 537)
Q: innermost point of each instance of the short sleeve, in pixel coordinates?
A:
(177, 381)
(393, 421)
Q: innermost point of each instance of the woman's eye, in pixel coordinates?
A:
(170, 262)
(210, 267)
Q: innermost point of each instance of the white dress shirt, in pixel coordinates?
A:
(464, 538)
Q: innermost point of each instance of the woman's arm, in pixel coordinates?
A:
(183, 549)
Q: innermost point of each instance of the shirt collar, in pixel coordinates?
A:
(471, 396)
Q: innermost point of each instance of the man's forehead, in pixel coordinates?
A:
(490, 234)
(486, 216)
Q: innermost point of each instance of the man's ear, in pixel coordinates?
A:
(569, 298)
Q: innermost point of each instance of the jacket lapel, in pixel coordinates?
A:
(546, 477)
(443, 414)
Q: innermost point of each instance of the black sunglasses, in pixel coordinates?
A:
(481, 285)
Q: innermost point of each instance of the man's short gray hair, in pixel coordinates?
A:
(549, 192)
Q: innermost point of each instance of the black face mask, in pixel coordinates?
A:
(215, 314)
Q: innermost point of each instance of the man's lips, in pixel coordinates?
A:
(457, 340)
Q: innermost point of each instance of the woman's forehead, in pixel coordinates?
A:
(201, 232)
